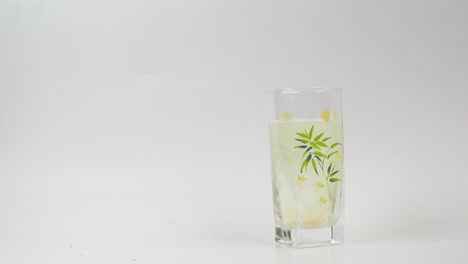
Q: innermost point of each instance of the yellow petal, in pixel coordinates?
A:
(320, 185)
(301, 178)
(287, 116)
(338, 155)
(323, 200)
(325, 115)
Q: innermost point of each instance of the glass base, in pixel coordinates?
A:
(303, 238)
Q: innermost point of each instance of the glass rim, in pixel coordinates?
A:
(306, 90)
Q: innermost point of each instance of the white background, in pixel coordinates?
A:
(136, 131)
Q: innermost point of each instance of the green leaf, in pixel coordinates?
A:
(314, 145)
(329, 168)
(302, 140)
(301, 146)
(325, 139)
(311, 132)
(318, 153)
(315, 166)
(319, 159)
(334, 180)
(307, 150)
(318, 137)
(333, 173)
(334, 145)
(322, 144)
(302, 135)
(331, 154)
(306, 163)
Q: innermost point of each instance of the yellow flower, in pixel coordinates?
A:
(287, 116)
(301, 178)
(325, 115)
(320, 184)
(338, 155)
(323, 200)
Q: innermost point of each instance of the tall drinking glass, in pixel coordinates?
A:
(306, 145)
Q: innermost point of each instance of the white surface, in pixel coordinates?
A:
(441, 246)
(137, 129)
